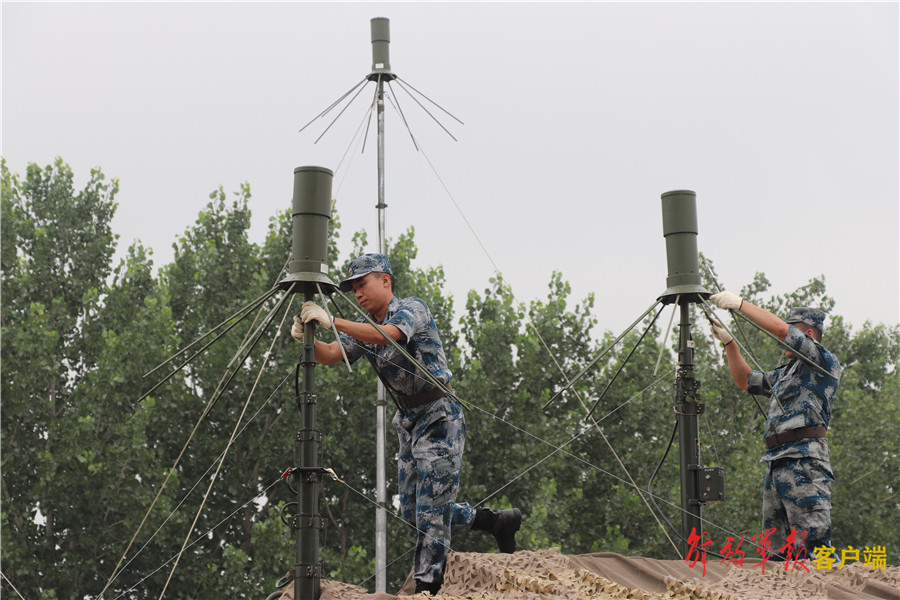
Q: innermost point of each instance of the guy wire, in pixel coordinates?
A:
(171, 470)
(191, 491)
(199, 538)
(11, 585)
(596, 423)
(497, 269)
(288, 295)
(420, 367)
(359, 139)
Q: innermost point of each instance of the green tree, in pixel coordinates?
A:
(82, 461)
(73, 444)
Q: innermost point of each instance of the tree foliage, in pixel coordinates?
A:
(88, 471)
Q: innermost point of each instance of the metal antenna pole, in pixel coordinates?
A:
(311, 214)
(381, 72)
(308, 570)
(688, 410)
(679, 209)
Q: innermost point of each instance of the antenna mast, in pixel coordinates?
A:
(381, 72)
(311, 213)
(698, 484)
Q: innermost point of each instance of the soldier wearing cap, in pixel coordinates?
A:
(430, 423)
(798, 484)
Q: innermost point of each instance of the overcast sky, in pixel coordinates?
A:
(782, 117)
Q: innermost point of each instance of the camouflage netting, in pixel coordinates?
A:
(547, 574)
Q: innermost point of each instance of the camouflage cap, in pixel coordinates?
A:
(363, 265)
(808, 316)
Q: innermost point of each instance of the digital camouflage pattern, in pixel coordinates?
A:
(797, 490)
(363, 265)
(432, 440)
(432, 437)
(413, 318)
(807, 396)
(809, 316)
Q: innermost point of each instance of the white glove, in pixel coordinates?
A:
(720, 334)
(727, 300)
(310, 311)
(297, 329)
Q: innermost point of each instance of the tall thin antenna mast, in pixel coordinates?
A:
(381, 72)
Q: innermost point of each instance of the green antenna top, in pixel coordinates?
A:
(311, 214)
(679, 211)
(381, 56)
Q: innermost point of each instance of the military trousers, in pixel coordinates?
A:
(797, 493)
(432, 439)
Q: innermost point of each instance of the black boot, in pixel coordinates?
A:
(502, 523)
(428, 586)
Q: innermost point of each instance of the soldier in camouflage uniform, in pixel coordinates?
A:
(798, 484)
(430, 424)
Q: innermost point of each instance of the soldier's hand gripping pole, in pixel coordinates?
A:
(337, 334)
(782, 344)
(706, 309)
(712, 277)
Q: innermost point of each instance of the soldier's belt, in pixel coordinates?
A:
(777, 439)
(421, 398)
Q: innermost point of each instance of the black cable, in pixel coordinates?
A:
(653, 500)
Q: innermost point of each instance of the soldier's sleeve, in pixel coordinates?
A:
(410, 317)
(353, 347)
(759, 383)
(802, 344)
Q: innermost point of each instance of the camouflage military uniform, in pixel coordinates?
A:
(432, 436)
(799, 481)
